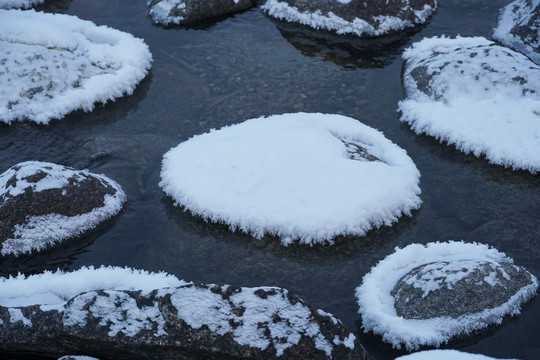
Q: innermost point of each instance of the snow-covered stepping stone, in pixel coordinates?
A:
(358, 17)
(445, 355)
(52, 64)
(19, 4)
(519, 27)
(426, 295)
(481, 97)
(42, 204)
(300, 176)
(119, 313)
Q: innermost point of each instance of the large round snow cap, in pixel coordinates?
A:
(43, 203)
(425, 295)
(479, 96)
(298, 176)
(53, 64)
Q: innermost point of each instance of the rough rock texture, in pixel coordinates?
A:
(519, 27)
(187, 322)
(362, 18)
(43, 203)
(178, 12)
(457, 288)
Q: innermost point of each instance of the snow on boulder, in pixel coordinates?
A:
(445, 355)
(177, 12)
(129, 314)
(19, 4)
(519, 27)
(426, 295)
(300, 176)
(53, 64)
(357, 17)
(42, 204)
(479, 96)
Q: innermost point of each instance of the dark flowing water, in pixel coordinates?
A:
(246, 66)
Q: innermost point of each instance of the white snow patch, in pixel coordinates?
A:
(53, 64)
(484, 110)
(290, 175)
(445, 355)
(377, 304)
(16, 315)
(348, 342)
(330, 21)
(39, 232)
(160, 12)
(19, 4)
(518, 13)
(77, 357)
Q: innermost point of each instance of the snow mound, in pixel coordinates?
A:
(42, 226)
(519, 27)
(53, 64)
(52, 290)
(160, 11)
(377, 305)
(481, 97)
(300, 176)
(19, 4)
(445, 355)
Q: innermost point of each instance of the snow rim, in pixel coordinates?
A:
(19, 4)
(376, 305)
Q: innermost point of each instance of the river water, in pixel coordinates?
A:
(248, 65)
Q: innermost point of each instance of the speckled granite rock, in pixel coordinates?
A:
(186, 322)
(43, 203)
(178, 12)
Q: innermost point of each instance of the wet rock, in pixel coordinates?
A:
(362, 18)
(186, 322)
(177, 12)
(519, 27)
(42, 204)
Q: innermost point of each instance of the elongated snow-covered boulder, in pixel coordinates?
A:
(130, 314)
(178, 12)
(480, 97)
(42, 204)
(519, 27)
(357, 17)
(426, 295)
(52, 64)
(444, 355)
(299, 176)
(19, 4)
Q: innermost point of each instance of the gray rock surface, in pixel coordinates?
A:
(359, 17)
(43, 203)
(457, 288)
(186, 322)
(177, 12)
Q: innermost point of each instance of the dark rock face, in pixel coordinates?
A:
(363, 18)
(187, 11)
(519, 27)
(187, 322)
(36, 197)
(457, 288)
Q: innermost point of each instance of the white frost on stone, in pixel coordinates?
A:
(16, 315)
(19, 4)
(377, 304)
(348, 342)
(53, 64)
(77, 357)
(518, 13)
(39, 232)
(482, 110)
(445, 355)
(330, 21)
(290, 176)
(160, 12)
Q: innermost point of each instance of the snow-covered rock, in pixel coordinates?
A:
(519, 27)
(426, 295)
(479, 96)
(77, 357)
(42, 204)
(358, 17)
(300, 176)
(177, 12)
(19, 4)
(445, 355)
(52, 64)
(129, 314)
